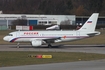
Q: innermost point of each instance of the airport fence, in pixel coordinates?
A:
(3, 27)
(43, 27)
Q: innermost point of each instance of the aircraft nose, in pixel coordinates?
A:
(5, 39)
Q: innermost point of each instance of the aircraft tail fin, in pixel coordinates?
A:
(90, 24)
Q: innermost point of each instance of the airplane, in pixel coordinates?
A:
(54, 27)
(38, 38)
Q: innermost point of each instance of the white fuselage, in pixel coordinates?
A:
(28, 36)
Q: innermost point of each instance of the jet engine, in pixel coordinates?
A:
(36, 43)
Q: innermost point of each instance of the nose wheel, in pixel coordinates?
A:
(18, 45)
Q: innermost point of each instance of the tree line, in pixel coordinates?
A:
(53, 7)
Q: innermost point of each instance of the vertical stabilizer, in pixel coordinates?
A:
(90, 24)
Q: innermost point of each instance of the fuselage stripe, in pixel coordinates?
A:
(14, 39)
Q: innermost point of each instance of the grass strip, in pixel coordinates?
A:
(21, 58)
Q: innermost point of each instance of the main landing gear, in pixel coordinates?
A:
(49, 46)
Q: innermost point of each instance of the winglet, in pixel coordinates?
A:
(90, 24)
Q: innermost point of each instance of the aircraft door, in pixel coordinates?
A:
(17, 34)
(78, 33)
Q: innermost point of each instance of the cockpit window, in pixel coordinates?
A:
(10, 34)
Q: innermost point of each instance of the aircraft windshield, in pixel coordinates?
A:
(10, 34)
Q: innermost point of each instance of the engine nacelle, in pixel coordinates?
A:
(36, 43)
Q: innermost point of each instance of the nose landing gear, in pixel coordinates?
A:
(18, 45)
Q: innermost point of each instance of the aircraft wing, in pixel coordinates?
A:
(52, 40)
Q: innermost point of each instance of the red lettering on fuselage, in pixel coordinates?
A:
(30, 33)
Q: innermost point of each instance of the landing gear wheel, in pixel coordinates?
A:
(49, 45)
